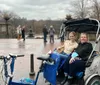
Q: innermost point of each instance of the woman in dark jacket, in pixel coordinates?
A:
(76, 63)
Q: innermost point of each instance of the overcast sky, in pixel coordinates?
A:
(37, 9)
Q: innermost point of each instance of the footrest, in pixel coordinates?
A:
(27, 81)
(79, 74)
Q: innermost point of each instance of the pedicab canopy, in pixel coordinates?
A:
(82, 25)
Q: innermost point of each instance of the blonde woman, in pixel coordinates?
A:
(69, 45)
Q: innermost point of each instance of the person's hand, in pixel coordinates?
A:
(59, 49)
(49, 52)
(71, 60)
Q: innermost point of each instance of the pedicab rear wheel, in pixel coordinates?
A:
(94, 80)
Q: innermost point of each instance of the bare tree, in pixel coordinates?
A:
(69, 17)
(79, 8)
(96, 9)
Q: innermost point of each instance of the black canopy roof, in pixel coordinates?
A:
(82, 25)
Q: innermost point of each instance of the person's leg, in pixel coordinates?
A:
(66, 70)
(64, 55)
(50, 39)
(18, 36)
(53, 38)
(66, 65)
(77, 66)
(24, 38)
(62, 61)
(44, 38)
(62, 39)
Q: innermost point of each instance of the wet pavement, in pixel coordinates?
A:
(30, 46)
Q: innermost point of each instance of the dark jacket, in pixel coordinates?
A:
(23, 33)
(45, 31)
(84, 50)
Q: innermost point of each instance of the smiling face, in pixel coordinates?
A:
(83, 38)
(72, 36)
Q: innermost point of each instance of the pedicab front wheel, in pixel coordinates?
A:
(93, 80)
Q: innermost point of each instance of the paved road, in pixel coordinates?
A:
(30, 46)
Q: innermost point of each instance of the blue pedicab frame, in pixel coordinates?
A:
(48, 67)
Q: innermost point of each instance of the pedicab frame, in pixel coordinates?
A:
(92, 73)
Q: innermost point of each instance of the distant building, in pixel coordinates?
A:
(3, 30)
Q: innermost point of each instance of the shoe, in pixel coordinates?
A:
(70, 77)
(64, 81)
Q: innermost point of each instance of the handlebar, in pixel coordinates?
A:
(20, 55)
(10, 56)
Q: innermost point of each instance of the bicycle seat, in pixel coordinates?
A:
(12, 54)
(44, 57)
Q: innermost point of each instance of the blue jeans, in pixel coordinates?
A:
(63, 57)
(45, 37)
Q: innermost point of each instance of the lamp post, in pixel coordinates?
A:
(6, 18)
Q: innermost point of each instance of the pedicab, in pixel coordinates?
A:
(91, 76)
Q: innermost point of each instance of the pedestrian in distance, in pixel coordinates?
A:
(19, 32)
(23, 32)
(45, 33)
(51, 34)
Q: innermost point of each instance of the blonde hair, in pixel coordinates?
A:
(73, 33)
